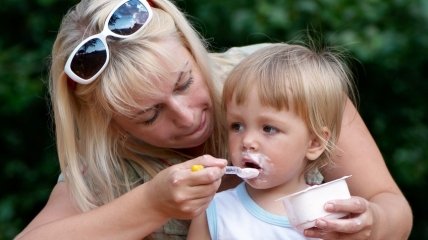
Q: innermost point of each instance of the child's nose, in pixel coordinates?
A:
(249, 142)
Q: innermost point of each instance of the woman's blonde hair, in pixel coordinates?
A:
(99, 160)
(315, 84)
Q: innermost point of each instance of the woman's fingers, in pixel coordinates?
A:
(356, 225)
(193, 185)
(212, 171)
(364, 234)
(185, 194)
(206, 161)
(354, 205)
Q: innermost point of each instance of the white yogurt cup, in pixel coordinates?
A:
(304, 207)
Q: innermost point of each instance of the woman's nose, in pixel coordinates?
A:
(183, 114)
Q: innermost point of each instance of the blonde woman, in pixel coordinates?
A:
(135, 97)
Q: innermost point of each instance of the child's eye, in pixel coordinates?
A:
(236, 127)
(270, 129)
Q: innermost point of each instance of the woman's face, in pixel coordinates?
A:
(181, 115)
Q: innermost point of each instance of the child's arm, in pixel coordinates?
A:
(199, 228)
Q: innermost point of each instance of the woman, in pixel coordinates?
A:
(131, 109)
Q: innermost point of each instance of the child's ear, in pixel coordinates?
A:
(317, 145)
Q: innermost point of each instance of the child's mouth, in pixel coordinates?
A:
(252, 165)
(253, 160)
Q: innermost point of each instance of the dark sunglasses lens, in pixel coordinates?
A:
(89, 59)
(128, 18)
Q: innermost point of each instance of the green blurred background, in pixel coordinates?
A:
(389, 38)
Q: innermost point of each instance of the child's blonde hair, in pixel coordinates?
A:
(96, 157)
(315, 84)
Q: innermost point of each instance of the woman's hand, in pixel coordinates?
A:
(183, 194)
(357, 225)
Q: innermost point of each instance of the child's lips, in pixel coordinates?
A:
(253, 160)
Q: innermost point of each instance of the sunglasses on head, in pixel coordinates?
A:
(91, 56)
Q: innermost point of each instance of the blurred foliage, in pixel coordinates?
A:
(388, 38)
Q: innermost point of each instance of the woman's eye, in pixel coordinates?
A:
(150, 116)
(270, 129)
(236, 127)
(151, 120)
(185, 85)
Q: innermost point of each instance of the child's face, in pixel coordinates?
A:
(274, 141)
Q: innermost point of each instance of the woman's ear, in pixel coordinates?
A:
(317, 145)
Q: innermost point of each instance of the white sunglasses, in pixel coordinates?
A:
(90, 57)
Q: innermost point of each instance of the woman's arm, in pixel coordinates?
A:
(60, 219)
(175, 192)
(386, 214)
